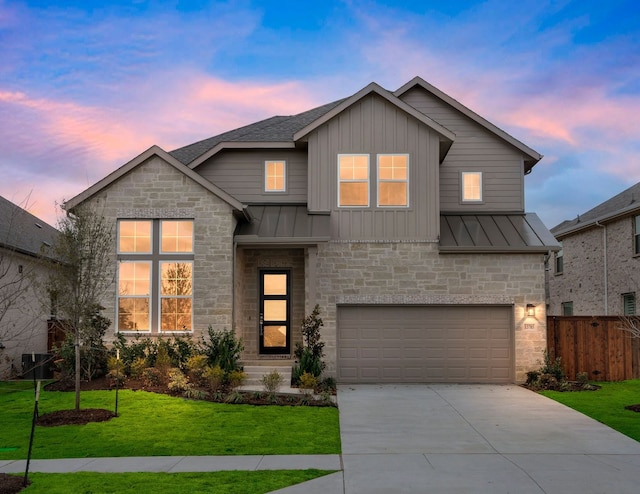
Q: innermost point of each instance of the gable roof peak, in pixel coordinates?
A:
(531, 156)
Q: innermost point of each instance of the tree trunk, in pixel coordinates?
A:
(77, 345)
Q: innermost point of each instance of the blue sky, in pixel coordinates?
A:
(86, 86)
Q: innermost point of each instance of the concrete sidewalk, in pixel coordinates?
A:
(175, 464)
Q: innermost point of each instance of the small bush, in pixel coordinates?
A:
(163, 361)
(214, 377)
(309, 353)
(222, 348)
(178, 382)
(236, 378)
(137, 367)
(234, 397)
(308, 381)
(272, 382)
(195, 394)
(196, 367)
(552, 366)
(533, 377)
(152, 377)
(582, 378)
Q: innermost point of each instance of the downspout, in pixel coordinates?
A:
(606, 271)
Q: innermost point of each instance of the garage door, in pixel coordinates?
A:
(456, 344)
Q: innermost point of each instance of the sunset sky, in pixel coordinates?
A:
(86, 86)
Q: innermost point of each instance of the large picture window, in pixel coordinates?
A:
(155, 275)
(353, 180)
(393, 173)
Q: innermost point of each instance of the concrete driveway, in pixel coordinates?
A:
(477, 439)
(473, 439)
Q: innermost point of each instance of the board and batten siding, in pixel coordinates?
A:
(474, 149)
(374, 126)
(241, 174)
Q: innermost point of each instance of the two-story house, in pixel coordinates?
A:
(24, 266)
(401, 214)
(597, 271)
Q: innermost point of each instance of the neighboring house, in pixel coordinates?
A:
(597, 271)
(401, 214)
(23, 321)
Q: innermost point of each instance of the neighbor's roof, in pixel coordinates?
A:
(23, 232)
(625, 203)
(283, 224)
(493, 233)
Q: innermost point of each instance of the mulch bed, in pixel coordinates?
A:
(11, 484)
(74, 417)
(633, 408)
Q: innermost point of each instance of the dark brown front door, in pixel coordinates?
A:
(275, 311)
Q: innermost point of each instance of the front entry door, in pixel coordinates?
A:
(275, 310)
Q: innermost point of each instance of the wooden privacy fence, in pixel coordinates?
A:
(595, 345)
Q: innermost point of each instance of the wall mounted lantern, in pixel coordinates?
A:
(531, 310)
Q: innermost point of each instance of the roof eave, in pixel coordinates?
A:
(607, 218)
(240, 145)
(542, 249)
(138, 160)
(531, 156)
(370, 89)
(255, 240)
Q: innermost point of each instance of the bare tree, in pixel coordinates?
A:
(85, 273)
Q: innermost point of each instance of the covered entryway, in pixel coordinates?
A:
(403, 344)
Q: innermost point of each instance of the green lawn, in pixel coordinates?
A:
(158, 425)
(168, 483)
(607, 405)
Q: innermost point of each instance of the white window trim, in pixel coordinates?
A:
(148, 252)
(471, 201)
(155, 257)
(284, 181)
(354, 181)
(148, 297)
(161, 297)
(379, 180)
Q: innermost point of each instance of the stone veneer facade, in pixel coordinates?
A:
(156, 189)
(583, 276)
(415, 273)
(331, 274)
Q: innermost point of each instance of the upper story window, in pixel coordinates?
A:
(629, 304)
(155, 275)
(393, 173)
(275, 178)
(559, 267)
(471, 186)
(353, 180)
(636, 235)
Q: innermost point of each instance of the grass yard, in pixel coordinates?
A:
(152, 424)
(257, 482)
(606, 405)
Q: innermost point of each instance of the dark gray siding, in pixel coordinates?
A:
(241, 174)
(475, 149)
(375, 126)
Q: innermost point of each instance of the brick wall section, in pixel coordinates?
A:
(156, 185)
(415, 273)
(582, 280)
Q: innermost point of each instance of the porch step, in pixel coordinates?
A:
(255, 372)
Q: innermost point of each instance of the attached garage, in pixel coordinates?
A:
(421, 344)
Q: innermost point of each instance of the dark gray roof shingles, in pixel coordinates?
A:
(23, 232)
(274, 129)
(618, 203)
